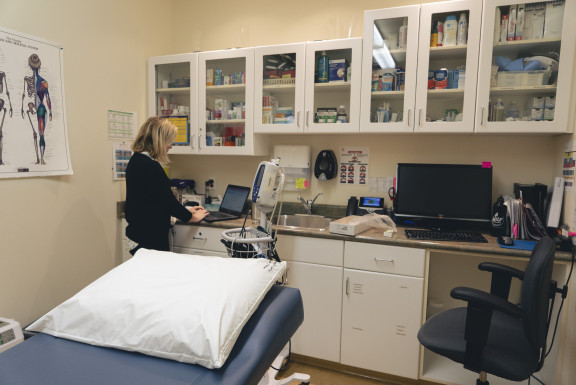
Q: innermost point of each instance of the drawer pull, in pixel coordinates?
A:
(347, 285)
(199, 238)
(384, 260)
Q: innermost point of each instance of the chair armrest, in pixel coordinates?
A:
(503, 269)
(487, 301)
(501, 277)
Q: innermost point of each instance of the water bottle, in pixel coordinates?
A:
(462, 30)
(323, 68)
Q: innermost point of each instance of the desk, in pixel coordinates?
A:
(317, 266)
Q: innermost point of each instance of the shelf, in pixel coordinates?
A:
(387, 94)
(449, 52)
(511, 48)
(229, 89)
(522, 89)
(446, 91)
(279, 88)
(177, 90)
(333, 86)
(227, 121)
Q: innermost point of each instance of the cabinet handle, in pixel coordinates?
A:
(409, 115)
(420, 117)
(307, 116)
(347, 285)
(298, 119)
(200, 141)
(482, 117)
(384, 260)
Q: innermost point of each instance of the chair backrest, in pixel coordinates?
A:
(535, 295)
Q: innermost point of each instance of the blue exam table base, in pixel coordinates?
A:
(44, 359)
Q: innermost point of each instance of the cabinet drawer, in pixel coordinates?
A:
(385, 259)
(198, 237)
(311, 250)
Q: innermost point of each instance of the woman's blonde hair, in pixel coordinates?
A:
(154, 137)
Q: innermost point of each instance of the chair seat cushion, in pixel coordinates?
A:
(507, 353)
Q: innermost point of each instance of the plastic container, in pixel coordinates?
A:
(440, 29)
(462, 35)
(323, 68)
(403, 34)
(450, 31)
(499, 111)
(342, 117)
(513, 112)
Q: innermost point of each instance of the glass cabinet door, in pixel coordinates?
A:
(173, 94)
(333, 74)
(226, 101)
(447, 66)
(279, 88)
(526, 62)
(389, 69)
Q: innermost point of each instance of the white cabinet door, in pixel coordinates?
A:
(388, 95)
(529, 90)
(173, 92)
(446, 85)
(279, 88)
(319, 334)
(323, 99)
(381, 316)
(226, 103)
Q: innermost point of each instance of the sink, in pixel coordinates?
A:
(304, 221)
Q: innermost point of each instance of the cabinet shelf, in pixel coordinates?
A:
(328, 87)
(446, 91)
(179, 90)
(522, 89)
(226, 121)
(511, 48)
(388, 94)
(449, 52)
(279, 88)
(227, 89)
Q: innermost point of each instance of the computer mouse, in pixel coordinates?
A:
(506, 241)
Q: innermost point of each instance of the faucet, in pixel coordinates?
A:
(308, 203)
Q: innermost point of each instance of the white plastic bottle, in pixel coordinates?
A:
(450, 31)
(403, 34)
(462, 30)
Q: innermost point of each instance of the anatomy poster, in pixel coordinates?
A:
(354, 165)
(33, 134)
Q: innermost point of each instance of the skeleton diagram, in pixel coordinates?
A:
(2, 108)
(37, 88)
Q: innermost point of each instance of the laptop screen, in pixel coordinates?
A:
(234, 199)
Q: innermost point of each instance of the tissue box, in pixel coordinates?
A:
(351, 225)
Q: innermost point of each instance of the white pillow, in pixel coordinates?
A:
(186, 308)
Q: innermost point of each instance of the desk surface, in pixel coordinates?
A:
(398, 239)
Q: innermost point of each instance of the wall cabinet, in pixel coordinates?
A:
(529, 91)
(409, 85)
(173, 91)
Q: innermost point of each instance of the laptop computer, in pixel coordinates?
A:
(232, 204)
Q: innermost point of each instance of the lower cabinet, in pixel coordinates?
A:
(362, 302)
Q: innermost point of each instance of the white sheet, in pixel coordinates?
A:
(182, 307)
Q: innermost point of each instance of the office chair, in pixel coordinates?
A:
(492, 335)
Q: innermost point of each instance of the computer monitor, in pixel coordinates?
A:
(443, 196)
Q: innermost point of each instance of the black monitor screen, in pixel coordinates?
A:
(444, 192)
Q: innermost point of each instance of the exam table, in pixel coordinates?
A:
(44, 359)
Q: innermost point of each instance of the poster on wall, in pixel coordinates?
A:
(33, 134)
(121, 152)
(354, 165)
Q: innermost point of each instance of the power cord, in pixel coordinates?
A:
(287, 358)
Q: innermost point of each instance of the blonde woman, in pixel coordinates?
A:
(149, 200)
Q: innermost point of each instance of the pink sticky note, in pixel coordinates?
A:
(486, 164)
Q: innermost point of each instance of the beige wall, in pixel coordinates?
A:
(59, 233)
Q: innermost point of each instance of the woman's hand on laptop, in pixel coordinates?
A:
(198, 213)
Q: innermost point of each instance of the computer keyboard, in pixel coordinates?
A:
(431, 235)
